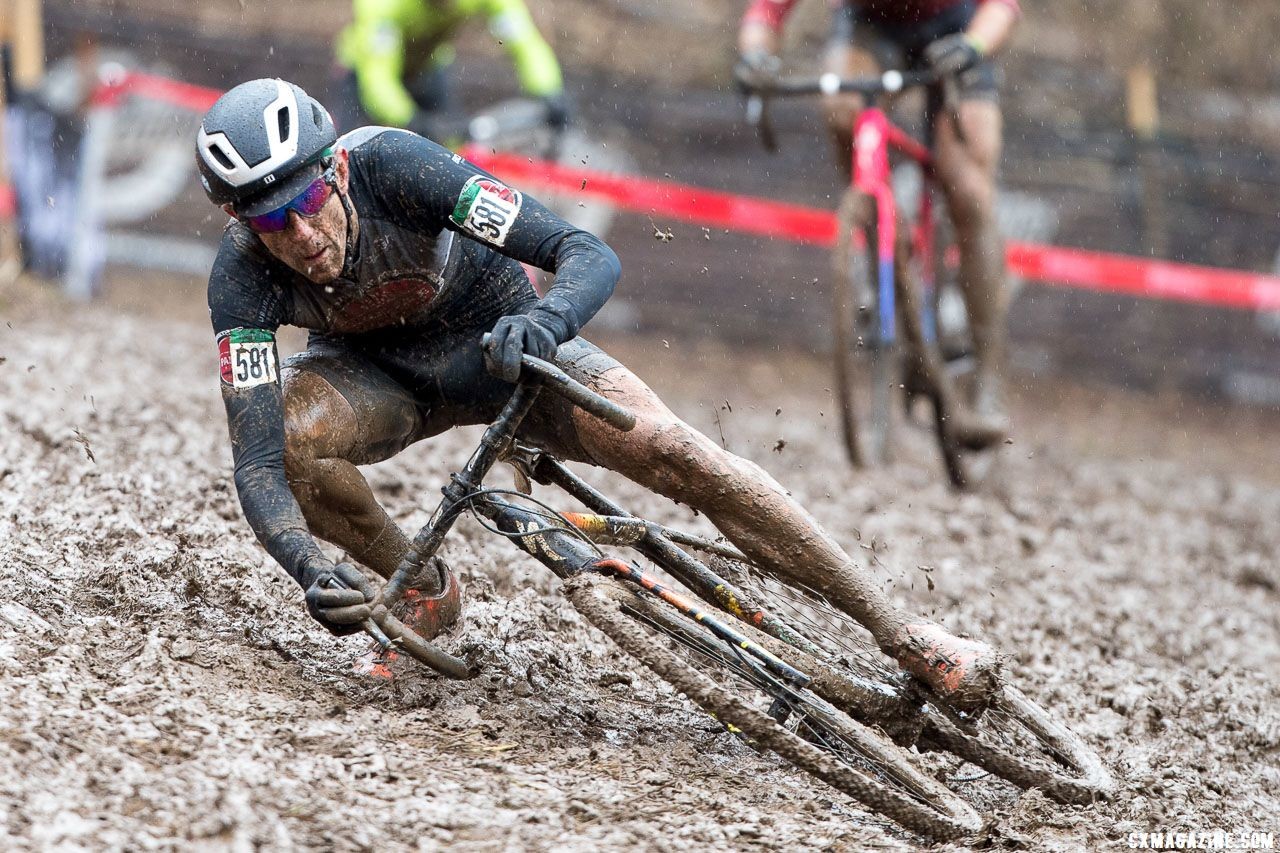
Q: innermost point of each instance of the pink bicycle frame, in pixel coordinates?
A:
(874, 135)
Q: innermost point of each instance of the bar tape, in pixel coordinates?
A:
(1077, 268)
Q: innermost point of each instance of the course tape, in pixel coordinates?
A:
(665, 198)
(1098, 271)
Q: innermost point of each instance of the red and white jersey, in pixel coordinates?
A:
(773, 12)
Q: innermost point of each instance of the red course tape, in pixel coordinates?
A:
(1099, 271)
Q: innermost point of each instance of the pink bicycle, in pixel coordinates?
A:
(890, 347)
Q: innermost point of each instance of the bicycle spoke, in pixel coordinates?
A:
(809, 710)
(829, 628)
(1030, 744)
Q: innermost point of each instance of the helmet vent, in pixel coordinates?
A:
(316, 115)
(221, 156)
(282, 117)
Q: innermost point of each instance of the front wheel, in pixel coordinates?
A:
(791, 721)
(866, 355)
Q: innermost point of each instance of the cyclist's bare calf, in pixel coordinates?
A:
(748, 506)
(967, 174)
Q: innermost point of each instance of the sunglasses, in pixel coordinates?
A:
(307, 203)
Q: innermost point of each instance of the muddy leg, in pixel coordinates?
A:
(322, 435)
(746, 504)
(925, 362)
(967, 174)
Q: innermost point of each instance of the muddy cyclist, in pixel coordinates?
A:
(399, 256)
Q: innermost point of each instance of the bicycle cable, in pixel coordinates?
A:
(549, 512)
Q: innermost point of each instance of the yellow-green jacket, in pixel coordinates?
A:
(390, 41)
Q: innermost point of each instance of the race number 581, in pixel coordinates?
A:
(247, 357)
(486, 209)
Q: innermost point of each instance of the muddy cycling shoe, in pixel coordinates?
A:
(963, 672)
(974, 431)
(430, 614)
(988, 398)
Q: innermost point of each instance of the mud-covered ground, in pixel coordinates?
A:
(163, 687)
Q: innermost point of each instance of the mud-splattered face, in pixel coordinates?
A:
(315, 246)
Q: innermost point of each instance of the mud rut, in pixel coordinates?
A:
(163, 687)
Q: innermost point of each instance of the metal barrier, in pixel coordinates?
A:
(135, 160)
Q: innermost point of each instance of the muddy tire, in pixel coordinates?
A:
(882, 776)
(1018, 740)
(866, 366)
(1015, 738)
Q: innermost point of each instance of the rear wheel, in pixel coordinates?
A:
(1020, 741)
(1014, 738)
(866, 361)
(966, 469)
(791, 721)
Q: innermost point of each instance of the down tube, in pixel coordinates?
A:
(887, 235)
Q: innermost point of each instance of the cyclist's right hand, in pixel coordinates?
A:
(954, 54)
(757, 68)
(338, 596)
(518, 335)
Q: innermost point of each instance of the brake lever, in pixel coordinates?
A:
(370, 625)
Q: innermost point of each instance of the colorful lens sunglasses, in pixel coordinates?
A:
(307, 203)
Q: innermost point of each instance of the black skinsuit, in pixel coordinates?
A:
(435, 264)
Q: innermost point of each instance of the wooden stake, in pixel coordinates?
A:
(1143, 106)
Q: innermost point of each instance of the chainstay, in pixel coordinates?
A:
(656, 546)
(720, 629)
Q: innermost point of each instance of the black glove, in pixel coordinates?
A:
(953, 54)
(536, 334)
(757, 69)
(338, 596)
(559, 113)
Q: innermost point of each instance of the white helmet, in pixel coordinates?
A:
(261, 144)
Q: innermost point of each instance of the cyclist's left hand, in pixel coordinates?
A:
(559, 111)
(514, 336)
(953, 54)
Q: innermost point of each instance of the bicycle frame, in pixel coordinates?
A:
(874, 137)
(559, 549)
